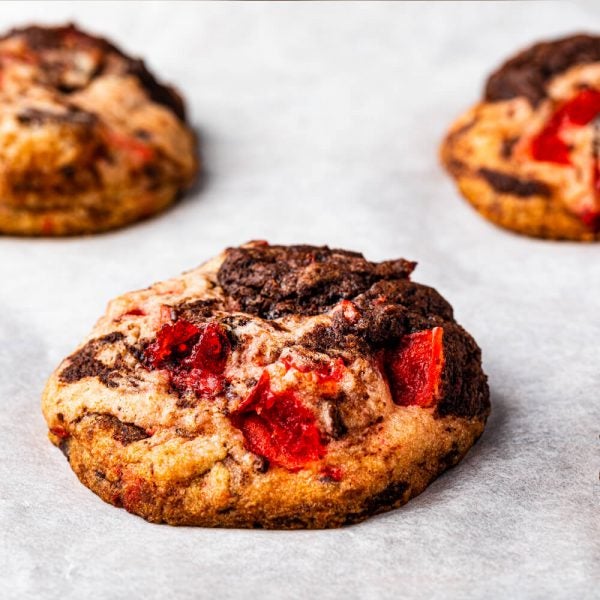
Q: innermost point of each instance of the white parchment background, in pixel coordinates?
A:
(320, 124)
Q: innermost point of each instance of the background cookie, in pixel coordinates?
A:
(89, 140)
(273, 386)
(527, 156)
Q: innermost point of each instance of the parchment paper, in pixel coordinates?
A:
(320, 124)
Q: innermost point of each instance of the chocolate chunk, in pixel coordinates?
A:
(274, 281)
(196, 311)
(528, 73)
(388, 498)
(84, 363)
(261, 464)
(331, 340)
(69, 38)
(456, 167)
(386, 312)
(335, 425)
(508, 184)
(159, 93)
(414, 297)
(65, 447)
(73, 116)
(451, 457)
(50, 38)
(287, 523)
(68, 171)
(464, 388)
(125, 433)
(507, 147)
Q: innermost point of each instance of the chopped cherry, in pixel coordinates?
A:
(195, 356)
(548, 145)
(278, 427)
(60, 432)
(172, 341)
(414, 368)
(582, 109)
(210, 352)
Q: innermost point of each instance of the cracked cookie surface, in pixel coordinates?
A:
(273, 386)
(527, 156)
(89, 139)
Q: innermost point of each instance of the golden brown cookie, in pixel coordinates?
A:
(274, 386)
(527, 156)
(89, 139)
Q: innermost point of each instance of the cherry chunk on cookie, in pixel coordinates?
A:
(415, 368)
(272, 386)
(528, 155)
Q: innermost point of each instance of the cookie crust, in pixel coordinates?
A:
(89, 139)
(490, 151)
(314, 360)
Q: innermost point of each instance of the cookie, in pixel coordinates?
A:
(527, 156)
(273, 386)
(89, 139)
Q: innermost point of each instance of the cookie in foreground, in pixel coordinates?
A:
(89, 139)
(527, 156)
(273, 386)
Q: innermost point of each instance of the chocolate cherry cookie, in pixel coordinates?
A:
(89, 139)
(273, 386)
(527, 156)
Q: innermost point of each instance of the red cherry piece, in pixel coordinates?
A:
(414, 368)
(547, 145)
(277, 426)
(195, 356)
(210, 351)
(169, 342)
(60, 432)
(582, 109)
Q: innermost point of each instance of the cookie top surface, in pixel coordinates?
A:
(277, 386)
(89, 138)
(527, 155)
